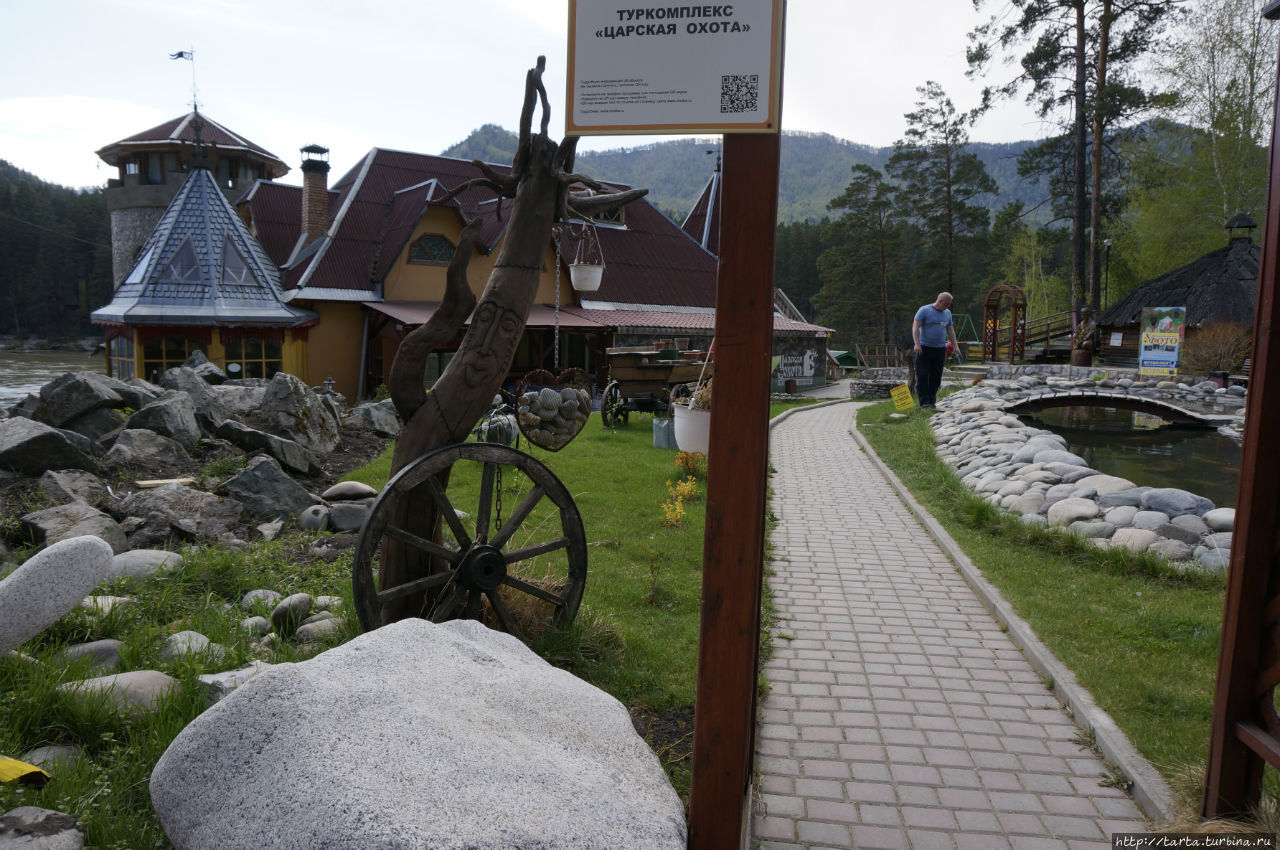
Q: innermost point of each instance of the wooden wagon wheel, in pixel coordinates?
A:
(486, 573)
(613, 411)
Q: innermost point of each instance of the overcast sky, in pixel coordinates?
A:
(76, 75)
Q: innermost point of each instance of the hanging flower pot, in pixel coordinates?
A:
(585, 277)
(553, 409)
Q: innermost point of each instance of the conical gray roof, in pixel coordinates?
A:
(201, 266)
(1220, 286)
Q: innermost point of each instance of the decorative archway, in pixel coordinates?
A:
(1017, 323)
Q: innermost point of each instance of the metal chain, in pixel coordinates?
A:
(557, 356)
(497, 519)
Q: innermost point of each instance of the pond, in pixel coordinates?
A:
(1148, 450)
(24, 372)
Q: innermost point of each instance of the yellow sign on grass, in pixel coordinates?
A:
(902, 399)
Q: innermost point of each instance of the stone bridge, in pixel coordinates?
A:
(1175, 406)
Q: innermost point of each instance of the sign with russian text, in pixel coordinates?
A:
(671, 68)
(1161, 340)
(902, 399)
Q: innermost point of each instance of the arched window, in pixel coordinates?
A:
(431, 250)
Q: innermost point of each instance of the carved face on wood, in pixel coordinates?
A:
(491, 341)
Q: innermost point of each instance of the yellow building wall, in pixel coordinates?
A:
(408, 281)
(332, 349)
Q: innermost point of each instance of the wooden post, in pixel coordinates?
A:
(1243, 731)
(733, 548)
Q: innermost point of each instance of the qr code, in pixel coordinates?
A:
(739, 93)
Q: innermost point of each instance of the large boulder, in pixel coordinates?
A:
(69, 485)
(241, 397)
(266, 491)
(172, 415)
(75, 519)
(31, 448)
(1172, 501)
(289, 454)
(73, 395)
(139, 447)
(290, 409)
(208, 371)
(51, 583)
(380, 417)
(192, 513)
(96, 424)
(416, 735)
(209, 409)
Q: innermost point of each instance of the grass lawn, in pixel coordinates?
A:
(1140, 636)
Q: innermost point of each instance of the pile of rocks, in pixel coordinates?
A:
(1029, 471)
(84, 427)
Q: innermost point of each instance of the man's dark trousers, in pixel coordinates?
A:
(929, 365)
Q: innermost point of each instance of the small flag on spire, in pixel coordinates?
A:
(181, 54)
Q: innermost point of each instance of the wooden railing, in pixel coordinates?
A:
(1045, 329)
(878, 355)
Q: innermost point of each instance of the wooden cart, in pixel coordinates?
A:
(646, 379)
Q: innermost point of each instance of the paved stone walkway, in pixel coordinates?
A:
(901, 715)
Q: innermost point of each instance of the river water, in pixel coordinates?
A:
(23, 372)
(1149, 451)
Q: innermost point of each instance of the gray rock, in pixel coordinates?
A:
(75, 519)
(1150, 520)
(31, 448)
(1121, 516)
(379, 417)
(318, 630)
(103, 655)
(1028, 503)
(181, 644)
(327, 603)
(266, 491)
(96, 424)
(207, 371)
(140, 564)
(218, 686)
(1215, 560)
(136, 692)
(240, 398)
(1071, 510)
(1173, 531)
(1218, 540)
(256, 625)
(75, 394)
(1078, 475)
(271, 530)
(1173, 502)
(195, 513)
(1220, 519)
(34, 828)
(1093, 529)
(139, 447)
(1192, 523)
(1174, 550)
(1013, 488)
(207, 406)
(172, 415)
(105, 604)
(69, 485)
(567, 771)
(348, 516)
(290, 409)
(54, 759)
(260, 599)
(288, 453)
(1128, 498)
(1133, 539)
(1104, 484)
(291, 611)
(1049, 456)
(314, 518)
(349, 490)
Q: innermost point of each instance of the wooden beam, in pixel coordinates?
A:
(733, 548)
(1233, 782)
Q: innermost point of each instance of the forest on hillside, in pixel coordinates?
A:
(55, 256)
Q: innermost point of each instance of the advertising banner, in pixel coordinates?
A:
(1161, 340)
(674, 68)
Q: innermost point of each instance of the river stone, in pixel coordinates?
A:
(348, 490)
(1078, 475)
(75, 519)
(1041, 476)
(103, 655)
(1127, 498)
(172, 415)
(53, 759)
(1174, 550)
(291, 611)
(217, 686)
(1192, 523)
(349, 516)
(139, 564)
(1013, 488)
(1049, 456)
(318, 630)
(32, 448)
(1134, 539)
(1150, 520)
(260, 599)
(1060, 469)
(1093, 529)
(1028, 503)
(314, 518)
(1177, 532)
(1173, 501)
(1218, 540)
(105, 604)
(256, 625)
(1104, 484)
(138, 447)
(1070, 510)
(181, 644)
(1035, 519)
(481, 739)
(69, 485)
(1220, 519)
(1121, 516)
(34, 828)
(136, 692)
(1215, 560)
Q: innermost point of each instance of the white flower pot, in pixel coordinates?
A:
(693, 429)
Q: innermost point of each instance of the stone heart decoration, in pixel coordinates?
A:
(552, 409)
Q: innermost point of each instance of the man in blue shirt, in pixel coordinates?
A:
(930, 331)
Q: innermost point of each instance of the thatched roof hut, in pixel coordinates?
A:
(1221, 286)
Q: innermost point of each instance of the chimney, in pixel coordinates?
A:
(315, 191)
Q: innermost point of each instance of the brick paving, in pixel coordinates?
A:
(900, 714)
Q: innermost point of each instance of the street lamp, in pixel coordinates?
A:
(1106, 269)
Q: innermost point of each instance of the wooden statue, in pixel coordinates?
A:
(540, 183)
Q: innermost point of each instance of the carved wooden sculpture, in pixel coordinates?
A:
(540, 183)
